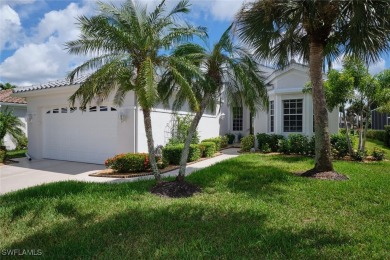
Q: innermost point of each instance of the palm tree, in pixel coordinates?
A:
(227, 68)
(130, 48)
(316, 31)
(10, 124)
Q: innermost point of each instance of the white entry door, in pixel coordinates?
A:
(80, 134)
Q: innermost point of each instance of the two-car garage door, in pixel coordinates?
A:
(80, 134)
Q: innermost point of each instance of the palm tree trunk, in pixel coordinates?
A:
(323, 161)
(191, 131)
(347, 132)
(149, 137)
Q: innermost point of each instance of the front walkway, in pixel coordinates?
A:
(31, 173)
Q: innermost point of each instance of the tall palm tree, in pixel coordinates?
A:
(10, 124)
(317, 31)
(130, 48)
(227, 68)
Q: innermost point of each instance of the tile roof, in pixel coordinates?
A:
(5, 97)
(52, 84)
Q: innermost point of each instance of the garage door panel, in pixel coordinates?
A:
(80, 136)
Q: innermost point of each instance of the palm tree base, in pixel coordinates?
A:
(324, 175)
(175, 189)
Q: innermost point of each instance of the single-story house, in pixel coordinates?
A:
(379, 120)
(290, 110)
(18, 106)
(91, 134)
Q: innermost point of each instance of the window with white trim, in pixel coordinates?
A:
(292, 115)
(271, 117)
(237, 118)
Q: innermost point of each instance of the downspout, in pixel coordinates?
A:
(135, 123)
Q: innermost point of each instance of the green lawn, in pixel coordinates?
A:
(251, 207)
(16, 154)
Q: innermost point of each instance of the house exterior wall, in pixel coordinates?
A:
(20, 112)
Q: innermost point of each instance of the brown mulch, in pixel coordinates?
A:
(330, 175)
(175, 189)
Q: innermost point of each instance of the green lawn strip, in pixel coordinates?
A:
(16, 154)
(371, 144)
(252, 206)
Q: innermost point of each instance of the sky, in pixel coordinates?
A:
(33, 34)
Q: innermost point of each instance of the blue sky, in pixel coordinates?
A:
(33, 33)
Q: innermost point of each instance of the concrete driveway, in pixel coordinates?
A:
(26, 173)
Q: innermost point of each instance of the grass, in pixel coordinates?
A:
(252, 206)
(16, 154)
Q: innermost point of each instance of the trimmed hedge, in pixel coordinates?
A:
(339, 145)
(376, 134)
(130, 162)
(172, 153)
(216, 140)
(2, 155)
(387, 136)
(224, 141)
(247, 143)
(208, 149)
(269, 143)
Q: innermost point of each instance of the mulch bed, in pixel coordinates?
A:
(175, 189)
(330, 175)
(110, 173)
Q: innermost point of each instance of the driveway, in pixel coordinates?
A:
(26, 173)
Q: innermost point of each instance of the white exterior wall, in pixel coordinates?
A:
(20, 112)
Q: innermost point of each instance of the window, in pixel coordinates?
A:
(103, 108)
(93, 109)
(237, 119)
(113, 109)
(72, 109)
(271, 117)
(56, 111)
(292, 115)
(64, 110)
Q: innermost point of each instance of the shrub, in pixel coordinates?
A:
(298, 143)
(2, 155)
(180, 130)
(268, 143)
(216, 140)
(376, 134)
(130, 162)
(387, 136)
(359, 155)
(284, 146)
(247, 143)
(208, 149)
(339, 145)
(262, 141)
(21, 142)
(224, 141)
(378, 154)
(343, 131)
(231, 138)
(311, 148)
(274, 142)
(172, 153)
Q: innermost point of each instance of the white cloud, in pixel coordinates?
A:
(10, 28)
(377, 67)
(43, 58)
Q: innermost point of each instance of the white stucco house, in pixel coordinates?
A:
(94, 133)
(18, 107)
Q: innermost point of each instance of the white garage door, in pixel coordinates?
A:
(80, 134)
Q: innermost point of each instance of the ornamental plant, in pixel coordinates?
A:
(130, 162)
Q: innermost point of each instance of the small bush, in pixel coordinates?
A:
(359, 155)
(216, 140)
(247, 143)
(273, 142)
(311, 148)
(224, 141)
(298, 143)
(22, 142)
(343, 131)
(376, 134)
(339, 145)
(262, 141)
(387, 136)
(284, 146)
(130, 162)
(172, 153)
(378, 154)
(2, 155)
(208, 149)
(231, 138)
(268, 143)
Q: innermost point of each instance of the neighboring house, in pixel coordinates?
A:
(98, 131)
(290, 110)
(93, 133)
(379, 120)
(18, 106)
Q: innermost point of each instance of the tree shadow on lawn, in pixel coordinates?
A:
(246, 177)
(180, 231)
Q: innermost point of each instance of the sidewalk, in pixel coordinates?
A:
(36, 172)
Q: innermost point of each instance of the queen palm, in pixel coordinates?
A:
(227, 69)
(129, 48)
(316, 31)
(10, 124)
